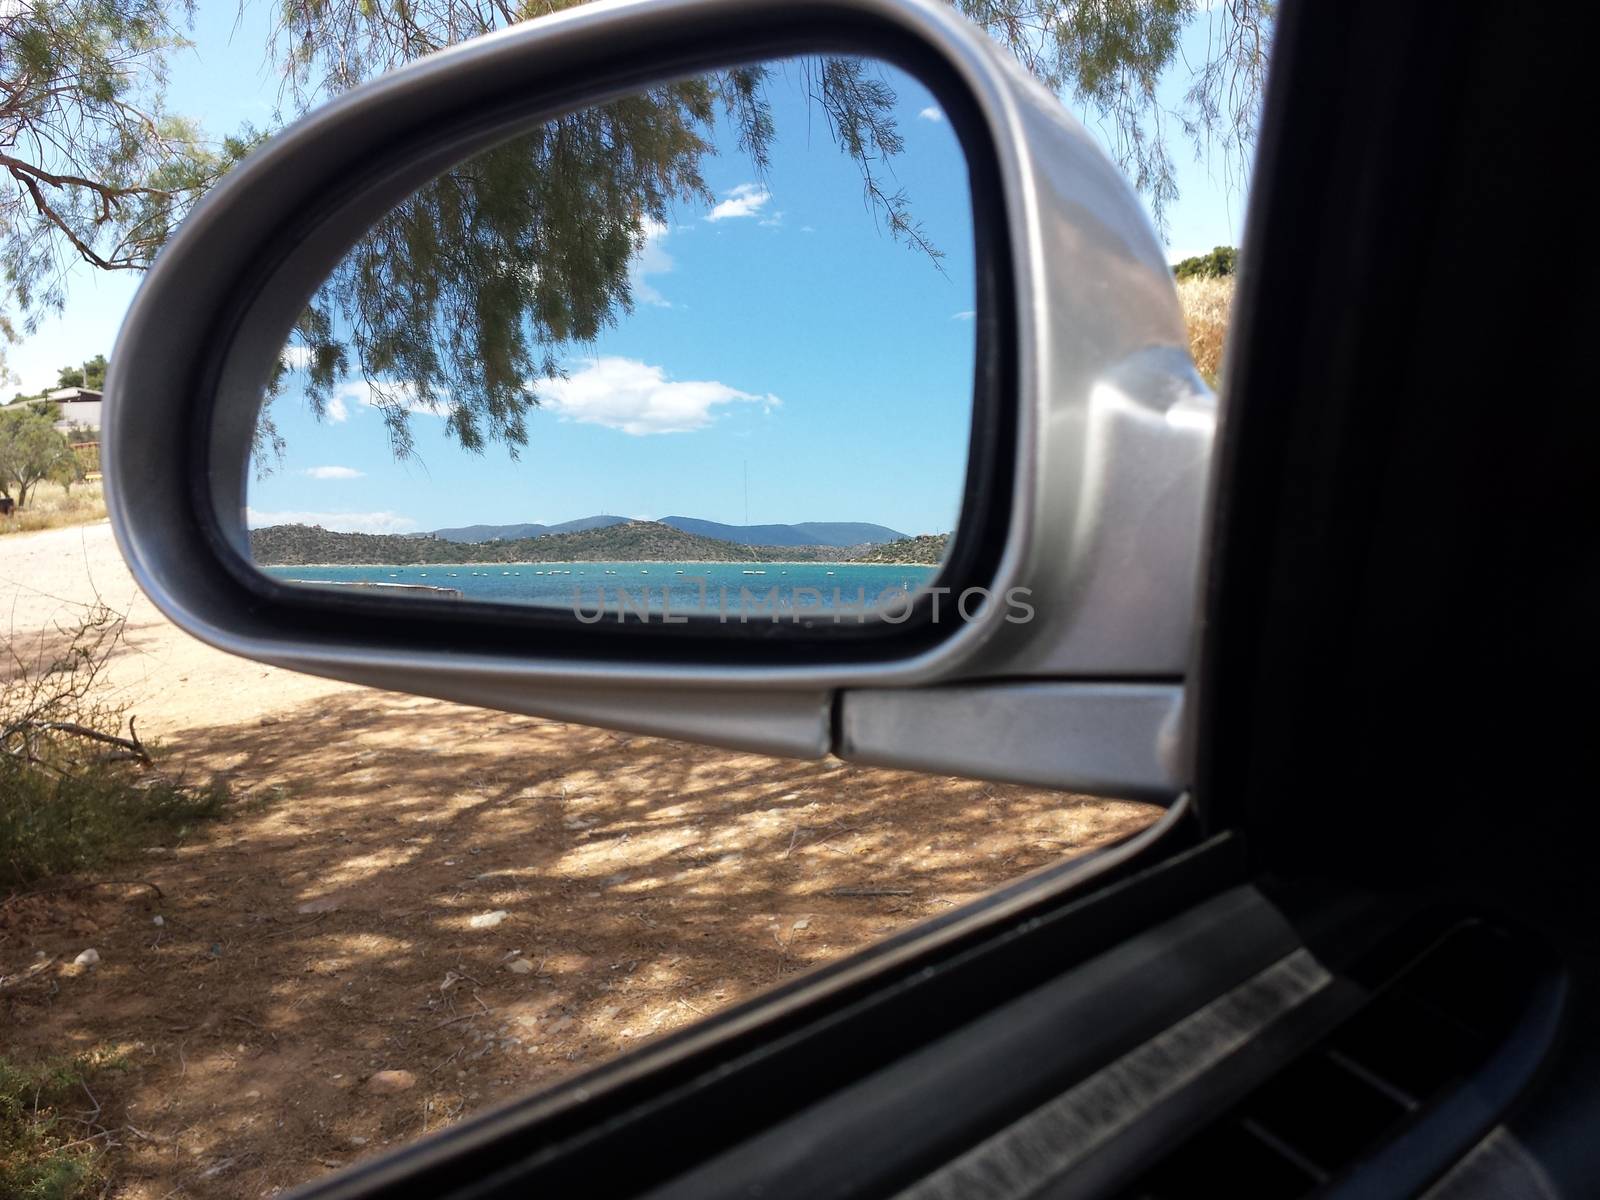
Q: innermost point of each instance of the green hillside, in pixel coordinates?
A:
(925, 549)
(633, 541)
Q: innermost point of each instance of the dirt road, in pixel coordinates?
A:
(415, 909)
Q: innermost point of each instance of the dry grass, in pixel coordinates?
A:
(51, 507)
(75, 794)
(1207, 304)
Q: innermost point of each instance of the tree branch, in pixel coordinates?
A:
(105, 190)
(55, 218)
(131, 744)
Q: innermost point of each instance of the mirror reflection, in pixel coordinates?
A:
(705, 349)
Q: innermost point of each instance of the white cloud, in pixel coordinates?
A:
(333, 473)
(932, 113)
(652, 259)
(807, 229)
(965, 315)
(345, 522)
(360, 392)
(746, 200)
(334, 409)
(625, 394)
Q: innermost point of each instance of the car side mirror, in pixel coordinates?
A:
(1045, 640)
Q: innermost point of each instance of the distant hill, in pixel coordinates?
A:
(925, 549)
(848, 533)
(808, 533)
(487, 533)
(583, 523)
(510, 533)
(627, 541)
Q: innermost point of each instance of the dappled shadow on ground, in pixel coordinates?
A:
(324, 932)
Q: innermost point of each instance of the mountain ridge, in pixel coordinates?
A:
(631, 541)
(838, 534)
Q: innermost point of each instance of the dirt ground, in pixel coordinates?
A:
(415, 909)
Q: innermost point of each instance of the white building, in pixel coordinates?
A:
(76, 408)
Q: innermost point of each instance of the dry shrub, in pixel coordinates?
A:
(50, 506)
(77, 787)
(50, 1142)
(1206, 307)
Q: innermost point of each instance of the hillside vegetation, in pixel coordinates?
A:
(926, 549)
(806, 533)
(634, 541)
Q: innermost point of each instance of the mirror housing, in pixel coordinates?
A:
(1094, 449)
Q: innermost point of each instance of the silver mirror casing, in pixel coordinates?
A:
(1091, 484)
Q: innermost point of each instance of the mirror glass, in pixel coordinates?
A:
(706, 348)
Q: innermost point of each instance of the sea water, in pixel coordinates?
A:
(590, 587)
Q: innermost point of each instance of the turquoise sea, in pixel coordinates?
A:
(733, 588)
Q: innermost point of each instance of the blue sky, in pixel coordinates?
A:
(781, 329)
(781, 335)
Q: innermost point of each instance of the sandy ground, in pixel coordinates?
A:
(318, 987)
(176, 682)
